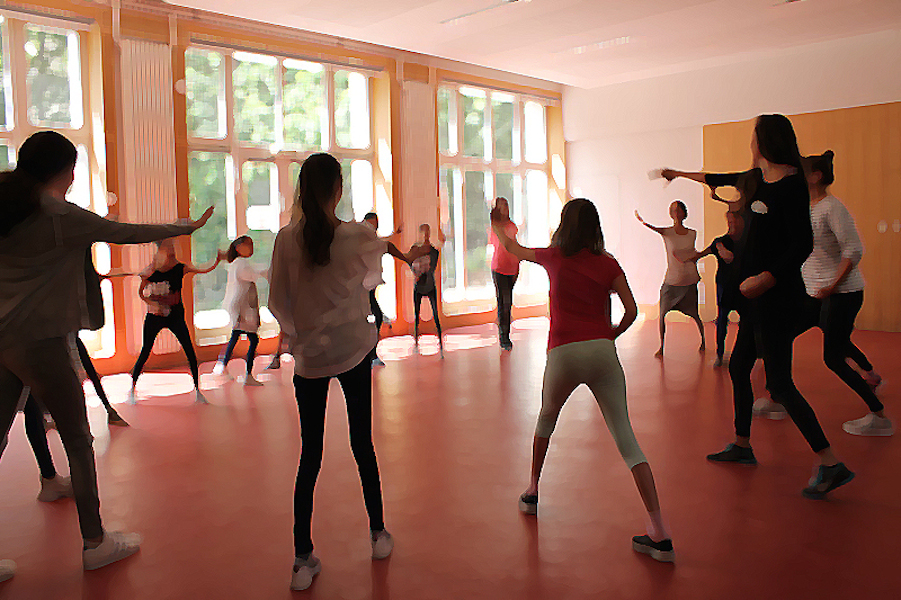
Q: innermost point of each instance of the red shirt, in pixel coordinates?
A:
(503, 262)
(579, 295)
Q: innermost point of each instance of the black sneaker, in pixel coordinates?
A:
(528, 503)
(736, 454)
(506, 345)
(826, 480)
(662, 551)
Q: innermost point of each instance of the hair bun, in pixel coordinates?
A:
(828, 154)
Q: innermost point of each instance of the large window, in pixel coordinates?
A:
(491, 144)
(44, 86)
(252, 120)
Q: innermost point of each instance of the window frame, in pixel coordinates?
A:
(463, 299)
(276, 153)
(102, 343)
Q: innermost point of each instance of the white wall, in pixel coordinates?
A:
(616, 134)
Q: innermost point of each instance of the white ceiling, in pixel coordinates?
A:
(579, 42)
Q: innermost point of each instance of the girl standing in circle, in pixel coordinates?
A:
(834, 287)
(423, 259)
(504, 271)
(161, 285)
(242, 303)
(322, 271)
(43, 248)
(779, 240)
(581, 350)
(680, 285)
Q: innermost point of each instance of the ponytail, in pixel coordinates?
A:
(320, 179)
(822, 164)
(42, 157)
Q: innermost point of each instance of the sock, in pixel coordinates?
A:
(656, 530)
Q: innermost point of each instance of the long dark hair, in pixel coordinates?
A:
(232, 253)
(42, 157)
(822, 164)
(776, 140)
(320, 179)
(580, 228)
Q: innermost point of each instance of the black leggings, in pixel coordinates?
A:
(379, 319)
(723, 308)
(417, 302)
(92, 374)
(254, 340)
(835, 315)
(37, 437)
(503, 286)
(174, 322)
(311, 401)
(767, 329)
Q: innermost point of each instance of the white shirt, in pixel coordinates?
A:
(241, 299)
(681, 246)
(325, 311)
(834, 237)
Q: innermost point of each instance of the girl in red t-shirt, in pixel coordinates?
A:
(581, 350)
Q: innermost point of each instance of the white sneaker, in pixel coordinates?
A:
(766, 408)
(200, 398)
(115, 546)
(870, 425)
(219, 369)
(7, 570)
(56, 488)
(132, 397)
(382, 544)
(304, 571)
(250, 381)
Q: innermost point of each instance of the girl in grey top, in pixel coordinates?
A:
(43, 248)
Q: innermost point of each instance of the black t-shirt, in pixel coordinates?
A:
(167, 282)
(425, 283)
(778, 236)
(723, 268)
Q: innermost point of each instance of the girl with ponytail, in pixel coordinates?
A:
(44, 245)
(779, 239)
(321, 275)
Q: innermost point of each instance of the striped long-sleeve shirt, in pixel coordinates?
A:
(834, 237)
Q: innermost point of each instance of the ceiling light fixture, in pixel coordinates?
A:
(454, 20)
(619, 41)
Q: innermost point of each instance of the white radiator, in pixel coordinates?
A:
(149, 164)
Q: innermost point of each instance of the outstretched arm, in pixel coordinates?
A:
(393, 251)
(189, 268)
(670, 174)
(659, 230)
(622, 289)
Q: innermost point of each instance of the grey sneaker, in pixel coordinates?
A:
(7, 570)
(304, 572)
(766, 408)
(55, 489)
(382, 544)
(528, 504)
(115, 546)
(870, 425)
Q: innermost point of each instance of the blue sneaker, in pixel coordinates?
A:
(826, 480)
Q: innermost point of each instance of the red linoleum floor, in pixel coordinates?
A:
(210, 487)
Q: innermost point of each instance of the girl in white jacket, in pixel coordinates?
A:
(242, 303)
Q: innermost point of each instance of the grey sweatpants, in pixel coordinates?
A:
(46, 367)
(596, 364)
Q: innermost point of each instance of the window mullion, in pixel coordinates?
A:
(279, 106)
(18, 69)
(330, 142)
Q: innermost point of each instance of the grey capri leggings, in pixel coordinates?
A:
(596, 364)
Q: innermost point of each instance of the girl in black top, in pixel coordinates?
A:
(779, 239)
(161, 285)
(423, 258)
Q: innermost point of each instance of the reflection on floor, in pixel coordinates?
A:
(210, 487)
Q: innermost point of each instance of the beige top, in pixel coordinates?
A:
(325, 311)
(680, 246)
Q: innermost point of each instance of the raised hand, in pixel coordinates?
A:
(203, 218)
